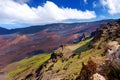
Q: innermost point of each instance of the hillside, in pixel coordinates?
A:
(16, 72)
(96, 58)
(25, 42)
(4, 31)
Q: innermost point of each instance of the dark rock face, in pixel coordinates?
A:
(85, 36)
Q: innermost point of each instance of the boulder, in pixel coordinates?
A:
(97, 76)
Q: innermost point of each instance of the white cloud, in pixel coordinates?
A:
(14, 12)
(85, 1)
(113, 6)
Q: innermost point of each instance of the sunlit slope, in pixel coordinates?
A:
(66, 69)
(26, 66)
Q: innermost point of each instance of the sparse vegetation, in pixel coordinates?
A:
(26, 66)
(67, 69)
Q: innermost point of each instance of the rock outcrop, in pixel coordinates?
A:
(46, 71)
(106, 67)
(61, 52)
(113, 53)
(109, 31)
(85, 36)
(95, 65)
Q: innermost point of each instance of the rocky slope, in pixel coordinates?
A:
(103, 68)
(60, 62)
(98, 59)
(106, 67)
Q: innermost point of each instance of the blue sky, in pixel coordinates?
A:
(24, 13)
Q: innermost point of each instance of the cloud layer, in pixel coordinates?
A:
(15, 12)
(112, 5)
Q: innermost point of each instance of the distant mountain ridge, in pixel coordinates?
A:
(4, 31)
(49, 27)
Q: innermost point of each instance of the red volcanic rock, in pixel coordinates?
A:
(19, 39)
(71, 38)
(53, 37)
